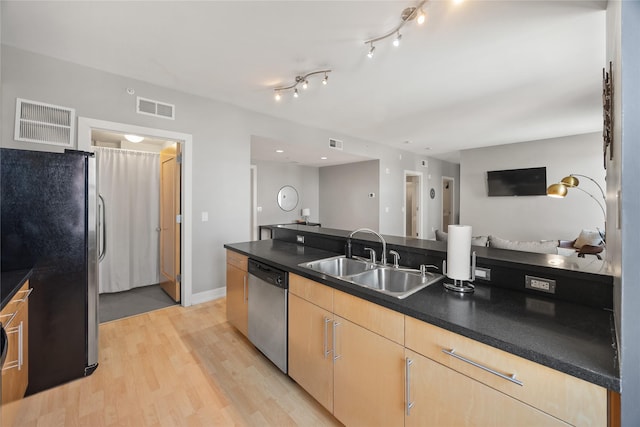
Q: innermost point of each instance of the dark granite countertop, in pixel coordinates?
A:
(10, 283)
(571, 338)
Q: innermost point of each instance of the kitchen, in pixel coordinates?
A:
(232, 145)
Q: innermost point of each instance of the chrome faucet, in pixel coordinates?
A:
(383, 257)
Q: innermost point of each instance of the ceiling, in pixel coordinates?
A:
(479, 73)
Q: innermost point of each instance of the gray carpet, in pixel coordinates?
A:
(135, 301)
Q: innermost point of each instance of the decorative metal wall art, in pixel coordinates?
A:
(607, 113)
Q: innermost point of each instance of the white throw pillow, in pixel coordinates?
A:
(441, 236)
(541, 247)
(479, 240)
(588, 237)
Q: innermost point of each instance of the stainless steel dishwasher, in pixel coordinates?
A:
(268, 287)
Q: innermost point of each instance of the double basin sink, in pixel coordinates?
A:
(394, 281)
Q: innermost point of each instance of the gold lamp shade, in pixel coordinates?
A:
(570, 181)
(557, 190)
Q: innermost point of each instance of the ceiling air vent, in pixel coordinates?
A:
(335, 143)
(44, 123)
(155, 108)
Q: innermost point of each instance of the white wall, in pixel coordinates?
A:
(534, 217)
(272, 177)
(221, 146)
(344, 195)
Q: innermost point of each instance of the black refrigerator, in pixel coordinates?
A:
(48, 203)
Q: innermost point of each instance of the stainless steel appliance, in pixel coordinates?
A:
(268, 287)
(48, 204)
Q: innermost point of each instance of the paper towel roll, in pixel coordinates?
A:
(459, 252)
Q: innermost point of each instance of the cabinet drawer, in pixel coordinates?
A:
(571, 399)
(236, 259)
(381, 320)
(314, 292)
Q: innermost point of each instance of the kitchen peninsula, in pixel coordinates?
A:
(559, 350)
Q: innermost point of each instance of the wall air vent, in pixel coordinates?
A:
(335, 144)
(150, 107)
(44, 123)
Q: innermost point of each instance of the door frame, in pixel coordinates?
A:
(420, 202)
(453, 200)
(254, 203)
(86, 125)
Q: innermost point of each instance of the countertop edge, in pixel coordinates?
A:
(17, 278)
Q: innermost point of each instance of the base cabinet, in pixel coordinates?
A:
(15, 372)
(440, 396)
(237, 291)
(368, 377)
(310, 349)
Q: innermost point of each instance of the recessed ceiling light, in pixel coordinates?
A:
(279, 151)
(133, 138)
(323, 158)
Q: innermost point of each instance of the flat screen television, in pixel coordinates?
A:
(517, 182)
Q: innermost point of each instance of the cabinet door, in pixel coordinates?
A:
(368, 377)
(15, 373)
(441, 396)
(310, 345)
(237, 298)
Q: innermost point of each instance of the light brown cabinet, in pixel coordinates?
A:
(368, 377)
(440, 396)
(568, 398)
(15, 372)
(348, 362)
(237, 291)
(310, 349)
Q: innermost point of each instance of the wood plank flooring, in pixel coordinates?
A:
(175, 367)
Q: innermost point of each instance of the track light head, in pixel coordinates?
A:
(300, 80)
(421, 17)
(396, 41)
(295, 93)
(305, 84)
(277, 96)
(326, 79)
(370, 54)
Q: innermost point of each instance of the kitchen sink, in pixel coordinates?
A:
(340, 266)
(397, 282)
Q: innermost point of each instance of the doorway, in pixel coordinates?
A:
(448, 208)
(184, 239)
(413, 204)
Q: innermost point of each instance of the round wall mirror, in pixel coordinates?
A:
(287, 198)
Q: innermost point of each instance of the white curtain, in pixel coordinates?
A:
(129, 183)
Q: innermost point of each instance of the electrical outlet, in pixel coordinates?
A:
(540, 284)
(300, 239)
(483, 273)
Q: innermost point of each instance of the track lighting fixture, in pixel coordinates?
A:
(408, 14)
(302, 81)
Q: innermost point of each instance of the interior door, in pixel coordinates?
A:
(170, 221)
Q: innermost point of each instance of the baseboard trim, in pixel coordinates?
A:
(205, 296)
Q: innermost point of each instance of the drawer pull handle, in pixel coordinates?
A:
(12, 316)
(326, 334)
(511, 378)
(407, 378)
(336, 356)
(20, 360)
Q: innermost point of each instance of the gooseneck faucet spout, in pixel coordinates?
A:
(383, 257)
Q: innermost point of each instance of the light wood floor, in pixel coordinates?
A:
(173, 367)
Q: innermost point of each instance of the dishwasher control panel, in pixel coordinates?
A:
(272, 275)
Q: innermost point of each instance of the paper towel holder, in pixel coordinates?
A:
(462, 286)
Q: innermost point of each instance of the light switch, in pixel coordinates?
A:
(205, 216)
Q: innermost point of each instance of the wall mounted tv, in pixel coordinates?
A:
(517, 182)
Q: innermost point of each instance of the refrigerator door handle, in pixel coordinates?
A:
(102, 224)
